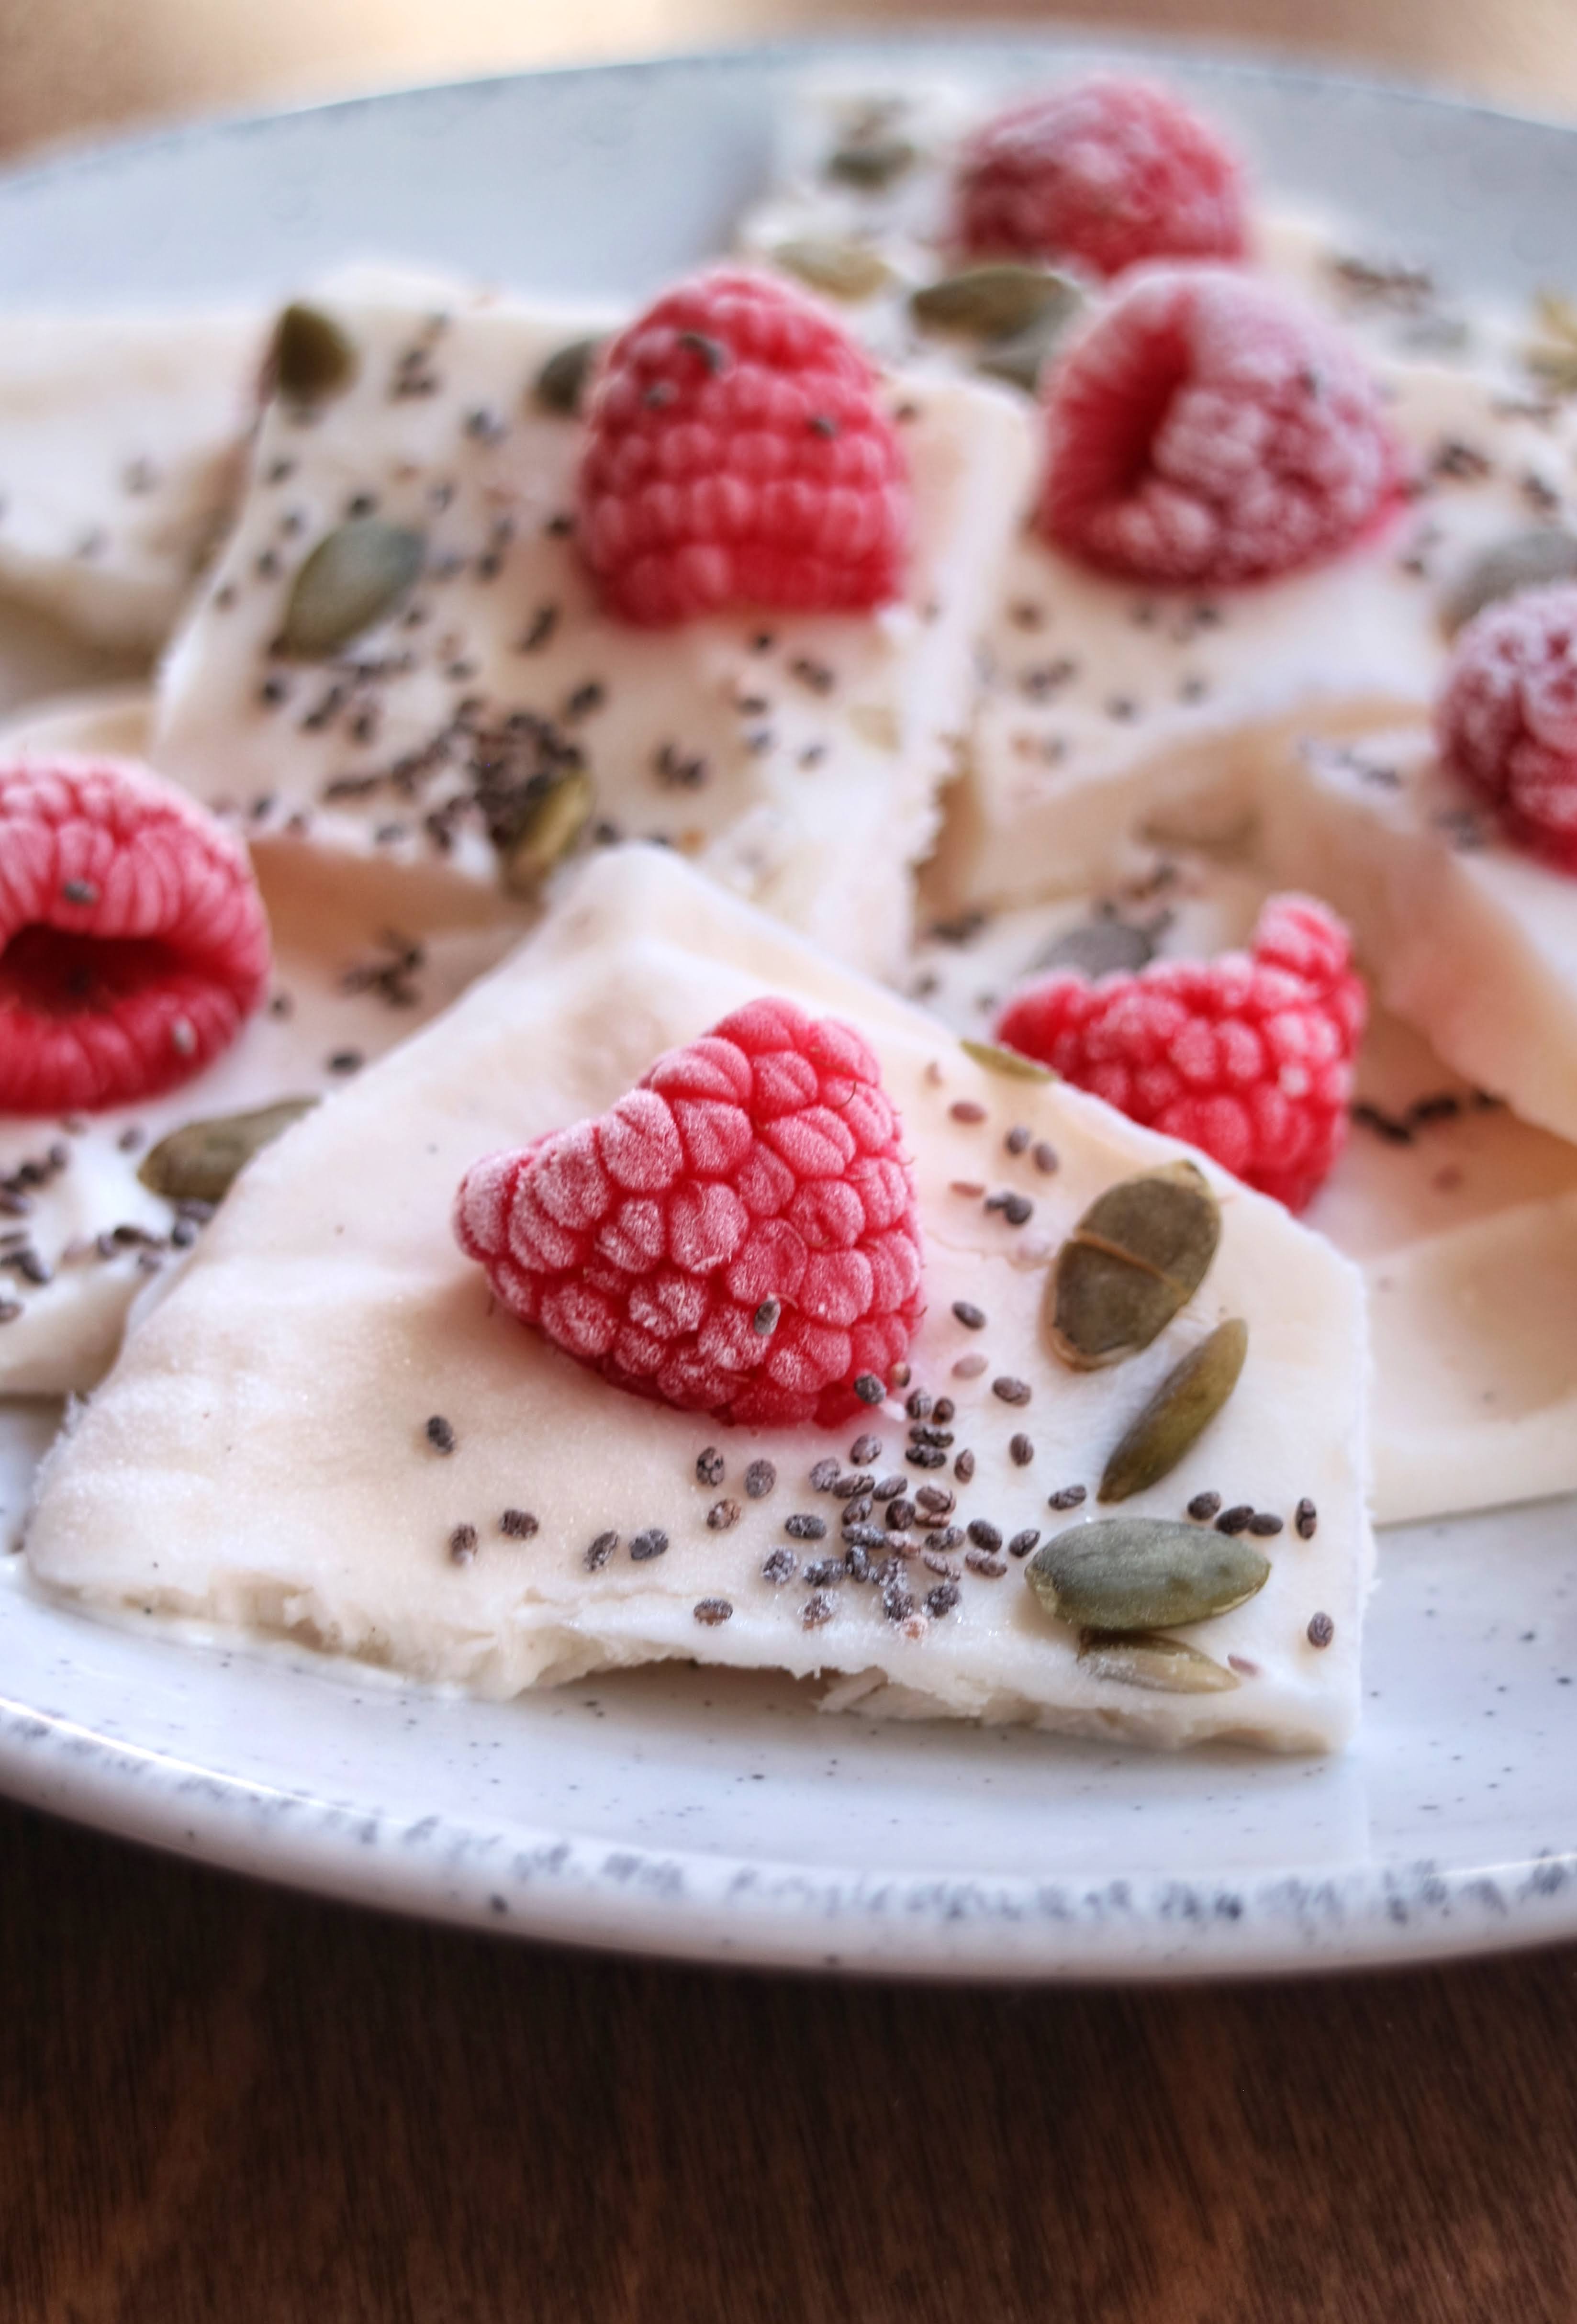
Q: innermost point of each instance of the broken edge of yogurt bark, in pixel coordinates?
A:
(401, 652)
(328, 1428)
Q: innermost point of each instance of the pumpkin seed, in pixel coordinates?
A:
(842, 270)
(871, 163)
(312, 359)
(1183, 1406)
(561, 382)
(1143, 1574)
(553, 816)
(1527, 560)
(355, 577)
(999, 302)
(200, 1161)
(998, 1060)
(1134, 1260)
(1161, 1665)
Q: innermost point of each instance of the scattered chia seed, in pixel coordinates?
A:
(984, 1535)
(951, 1537)
(1023, 1543)
(935, 1561)
(1263, 1524)
(925, 1456)
(817, 1610)
(1011, 1390)
(969, 1367)
(1068, 1497)
(518, 1525)
(713, 1610)
(440, 1436)
(826, 1572)
(1305, 1518)
(979, 1561)
(900, 1513)
(759, 1479)
(803, 1527)
(896, 1604)
(943, 1599)
(601, 1549)
(1044, 1158)
(765, 1319)
(870, 1389)
(653, 1543)
(722, 1515)
(858, 1564)
(864, 1536)
(78, 891)
(918, 1406)
(971, 1318)
(1321, 1630)
(886, 1487)
(967, 1108)
(857, 1511)
(963, 1467)
(822, 1477)
(1020, 1451)
(855, 1485)
(923, 1432)
(346, 1061)
(710, 1466)
(1204, 1506)
(1017, 1140)
(937, 1499)
(781, 1566)
(463, 1544)
(864, 1450)
(1236, 1520)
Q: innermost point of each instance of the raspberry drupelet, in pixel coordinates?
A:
(1100, 174)
(737, 455)
(1248, 1056)
(1206, 431)
(737, 1236)
(132, 941)
(1507, 718)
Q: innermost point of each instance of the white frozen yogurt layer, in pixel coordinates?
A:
(262, 1454)
(359, 963)
(121, 449)
(796, 759)
(1462, 1215)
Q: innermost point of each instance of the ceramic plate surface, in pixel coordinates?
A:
(682, 1812)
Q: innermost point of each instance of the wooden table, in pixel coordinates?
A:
(219, 2104)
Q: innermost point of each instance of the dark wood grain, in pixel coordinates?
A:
(218, 2102)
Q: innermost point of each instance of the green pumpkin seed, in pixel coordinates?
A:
(871, 163)
(1144, 1573)
(200, 1162)
(998, 1060)
(355, 577)
(1527, 560)
(551, 818)
(1183, 1406)
(312, 359)
(841, 269)
(1134, 1259)
(1161, 1665)
(561, 382)
(999, 301)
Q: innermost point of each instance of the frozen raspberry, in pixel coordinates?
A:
(132, 942)
(1204, 429)
(738, 1236)
(736, 456)
(1507, 718)
(1248, 1056)
(1100, 174)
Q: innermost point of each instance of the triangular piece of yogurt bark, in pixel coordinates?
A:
(795, 756)
(329, 1428)
(1461, 1214)
(1108, 708)
(121, 450)
(360, 962)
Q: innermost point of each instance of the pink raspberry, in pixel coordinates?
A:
(737, 1236)
(1248, 1056)
(1100, 174)
(1506, 717)
(736, 456)
(1204, 429)
(132, 942)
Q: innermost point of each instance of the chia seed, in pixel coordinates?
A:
(1023, 1543)
(803, 1527)
(1236, 1520)
(865, 1536)
(822, 1477)
(1017, 1140)
(963, 1467)
(1068, 1497)
(896, 1604)
(1044, 1158)
(1305, 1518)
(943, 1599)
(653, 1543)
(1321, 1630)
(601, 1549)
(854, 1487)
(980, 1560)
(971, 1318)
(967, 1108)
(826, 1572)
(440, 1436)
(984, 1535)
(1011, 1390)
(713, 1610)
(759, 1479)
(934, 1562)
(925, 1456)
(722, 1515)
(781, 1566)
(886, 1489)
(1020, 1450)
(817, 1610)
(1263, 1524)
(1204, 1506)
(900, 1514)
(935, 1499)
(518, 1525)
(864, 1450)
(463, 1544)
(918, 1406)
(870, 1389)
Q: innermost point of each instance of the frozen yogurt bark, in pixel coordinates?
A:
(82, 1233)
(121, 451)
(329, 1429)
(1460, 1213)
(795, 758)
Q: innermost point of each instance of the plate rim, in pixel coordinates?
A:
(714, 1908)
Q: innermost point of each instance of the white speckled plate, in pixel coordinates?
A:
(708, 1816)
